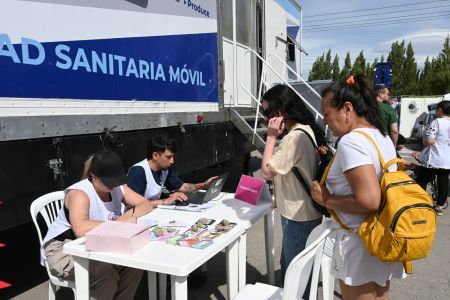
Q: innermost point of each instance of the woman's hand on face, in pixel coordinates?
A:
(319, 193)
(275, 127)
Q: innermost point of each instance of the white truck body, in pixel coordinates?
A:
(80, 75)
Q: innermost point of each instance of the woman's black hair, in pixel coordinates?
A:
(282, 98)
(360, 95)
(445, 106)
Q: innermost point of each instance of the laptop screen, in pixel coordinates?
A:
(215, 187)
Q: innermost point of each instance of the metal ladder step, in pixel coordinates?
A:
(247, 130)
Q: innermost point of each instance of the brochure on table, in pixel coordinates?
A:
(189, 207)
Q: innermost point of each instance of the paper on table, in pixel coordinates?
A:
(174, 223)
(190, 207)
(148, 222)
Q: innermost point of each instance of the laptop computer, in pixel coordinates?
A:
(212, 192)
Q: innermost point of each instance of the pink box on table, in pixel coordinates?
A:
(249, 189)
(117, 237)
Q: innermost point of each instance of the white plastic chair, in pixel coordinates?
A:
(327, 277)
(49, 206)
(297, 273)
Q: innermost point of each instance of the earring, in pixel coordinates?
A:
(346, 119)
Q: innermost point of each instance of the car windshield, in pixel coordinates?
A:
(431, 116)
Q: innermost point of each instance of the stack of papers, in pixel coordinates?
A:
(148, 222)
(189, 207)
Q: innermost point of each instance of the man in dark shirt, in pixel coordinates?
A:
(150, 176)
(388, 115)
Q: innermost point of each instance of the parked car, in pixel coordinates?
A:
(419, 128)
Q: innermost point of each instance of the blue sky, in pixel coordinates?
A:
(423, 23)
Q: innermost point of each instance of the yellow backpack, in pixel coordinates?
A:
(403, 227)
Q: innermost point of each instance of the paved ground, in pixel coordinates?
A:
(19, 265)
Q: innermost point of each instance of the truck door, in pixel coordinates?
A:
(275, 40)
(238, 31)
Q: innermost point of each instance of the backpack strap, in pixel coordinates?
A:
(407, 265)
(309, 136)
(380, 157)
(385, 166)
(295, 169)
(325, 174)
(332, 212)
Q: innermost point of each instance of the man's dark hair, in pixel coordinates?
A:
(159, 143)
(401, 140)
(380, 89)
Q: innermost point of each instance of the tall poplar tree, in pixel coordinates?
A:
(397, 58)
(370, 71)
(328, 67)
(441, 70)
(410, 78)
(317, 70)
(345, 72)
(359, 65)
(426, 78)
(336, 69)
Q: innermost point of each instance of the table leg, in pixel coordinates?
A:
(179, 287)
(242, 261)
(162, 286)
(268, 231)
(81, 268)
(151, 281)
(232, 257)
(204, 268)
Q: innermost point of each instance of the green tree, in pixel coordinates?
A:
(382, 58)
(359, 65)
(370, 71)
(426, 78)
(397, 58)
(336, 70)
(410, 78)
(317, 70)
(441, 70)
(345, 72)
(328, 67)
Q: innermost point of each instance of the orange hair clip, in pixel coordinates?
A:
(350, 80)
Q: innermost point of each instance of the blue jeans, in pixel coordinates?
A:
(295, 234)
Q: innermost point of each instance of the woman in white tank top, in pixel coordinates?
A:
(101, 196)
(352, 187)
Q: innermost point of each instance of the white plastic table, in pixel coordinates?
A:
(179, 262)
(226, 207)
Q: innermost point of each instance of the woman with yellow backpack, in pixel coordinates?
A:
(353, 186)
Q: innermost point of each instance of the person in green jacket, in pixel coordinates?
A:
(388, 115)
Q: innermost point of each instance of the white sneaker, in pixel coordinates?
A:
(438, 210)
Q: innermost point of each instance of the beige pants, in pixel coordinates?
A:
(106, 281)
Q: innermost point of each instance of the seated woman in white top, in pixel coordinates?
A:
(353, 188)
(101, 196)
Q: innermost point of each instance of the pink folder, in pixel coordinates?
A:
(118, 237)
(249, 189)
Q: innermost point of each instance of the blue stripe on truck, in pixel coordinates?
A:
(159, 68)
